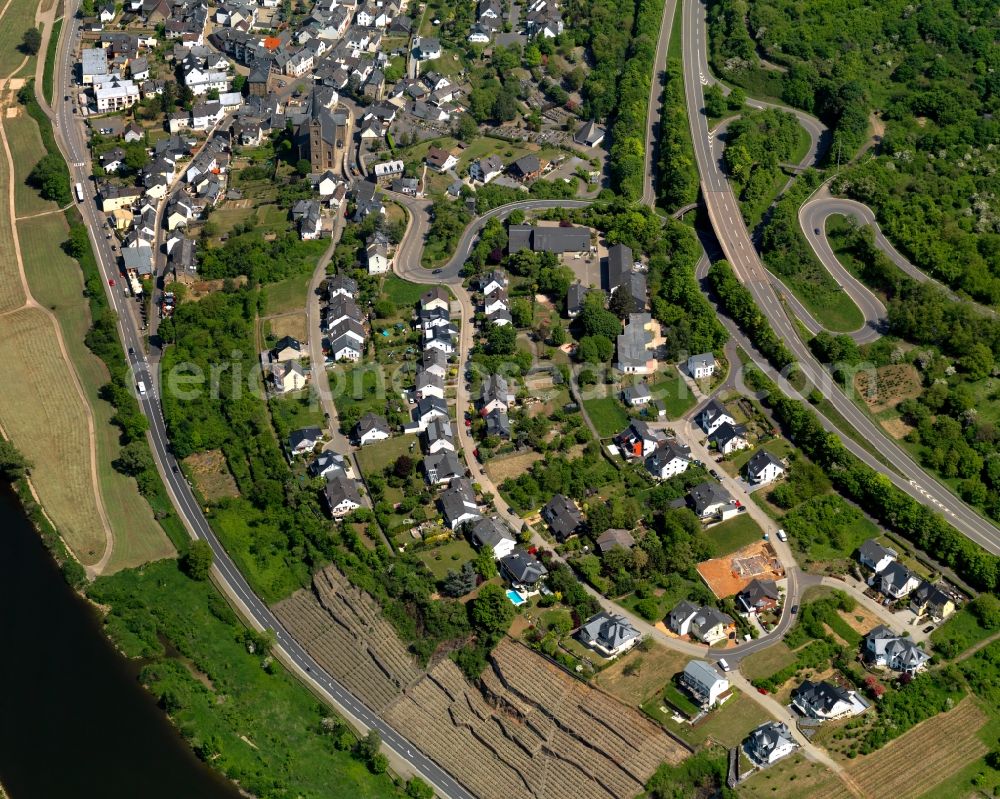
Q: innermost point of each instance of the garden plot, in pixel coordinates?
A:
(531, 731)
(343, 628)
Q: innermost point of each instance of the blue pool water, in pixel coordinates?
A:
(515, 598)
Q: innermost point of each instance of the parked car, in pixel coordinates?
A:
(714, 474)
(795, 609)
(928, 628)
(782, 535)
(724, 664)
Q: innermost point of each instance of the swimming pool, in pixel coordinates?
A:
(516, 599)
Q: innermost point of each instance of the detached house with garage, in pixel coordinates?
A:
(493, 534)
(704, 684)
(668, 460)
(769, 743)
(882, 647)
(341, 495)
(701, 366)
(711, 499)
(523, 571)
(304, 440)
(929, 600)
(639, 440)
(713, 416)
(895, 581)
(458, 503)
(608, 634)
(729, 438)
(563, 517)
(707, 624)
(875, 556)
(759, 596)
(823, 701)
(763, 468)
(370, 428)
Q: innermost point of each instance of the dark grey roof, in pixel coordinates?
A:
(563, 516)
(574, 297)
(325, 460)
(525, 165)
(288, 341)
(458, 500)
(304, 434)
(634, 341)
(548, 238)
(428, 404)
(340, 487)
(612, 538)
(760, 461)
(608, 630)
(894, 576)
(821, 696)
(442, 466)
(725, 433)
(522, 567)
(712, 409)
(372, 421)
(873, 551)
(590, 134)
(490, 532)
(680, 613)
(498, 423)
(620, 262)
(707, 494)
(767, 737)
(758, 591)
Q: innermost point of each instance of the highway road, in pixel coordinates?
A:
(70, 136)
(654, 110)
(724, 213)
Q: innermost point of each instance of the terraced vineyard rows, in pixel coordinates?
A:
(941, 746)
(533, 731)
(341, 627)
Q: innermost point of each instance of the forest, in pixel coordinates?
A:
(929, 74)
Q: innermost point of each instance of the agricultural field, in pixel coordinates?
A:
(56, 282)
(344, 629)
(555, 735)
(294, 324)
(43, 414)
(648, 671)
(211, 475)
(942, 745)
(887, 386)
(26, 150)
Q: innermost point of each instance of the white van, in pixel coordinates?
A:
(782, 535)
(724, 665)
(142, 388)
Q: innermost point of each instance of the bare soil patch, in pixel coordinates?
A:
(499, 469)
(730, 574)
(292, 324)
(896, 428)
(888, 386)
(861, 619)
(211, 475)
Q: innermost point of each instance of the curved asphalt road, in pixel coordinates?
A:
(70, 137)
(732, 234)
(813, 216)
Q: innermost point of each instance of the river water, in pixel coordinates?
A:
(74, 721)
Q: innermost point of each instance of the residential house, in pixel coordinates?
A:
(929, 600)
(759, 596)
(637, 395)
(525, 169)
(634, 346)
(304, 440)
(379, 261)
(710, 499)
(823, 701)
(341, 494)
(709, 625)
(494, 394)
(700, 366)
(344, 348)
(882, 647)
(116, 197)
(327, 463)
(704, 684)
(387, 171)
(486, 169)
(436, 297)
(113, 160)
(639, 440)
(498, 424)
(434, 361)
(712, 416)
(429, 409)
(426, 49)
(590, 135)
(608, 634)
(287, 349)
(341, 284)
(729, 438)
(138, 261)
(763, 468)
(112, 93)
(458, 503)
(575, 295)
(371, 427)
(340, 309)
(895, 581)
(438, 436)
(563, 517)
(442, 467)
(307, 214)
(523, 571)
(614, 539)
(493, 534)
(440, 160)
(668, 459)
(440, 338)
(769, 742)
(428, 384)
(875, 556)
(288, 376)
(93, 64)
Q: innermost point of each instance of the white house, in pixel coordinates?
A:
(875, 556)
(341, 495)
(485, 169)
(637, 395)
(712, 416)
(884, 648)
(707, 624)
(288, 376)
(769, 742)
(821, 700)
(704, 683)
(895, 581)
(609, 634)
(378, 259)
(668, 460)
(729, 438)
(371, 427)
(700, 366)
(492, 533)
(763, 468)
(439, 436)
